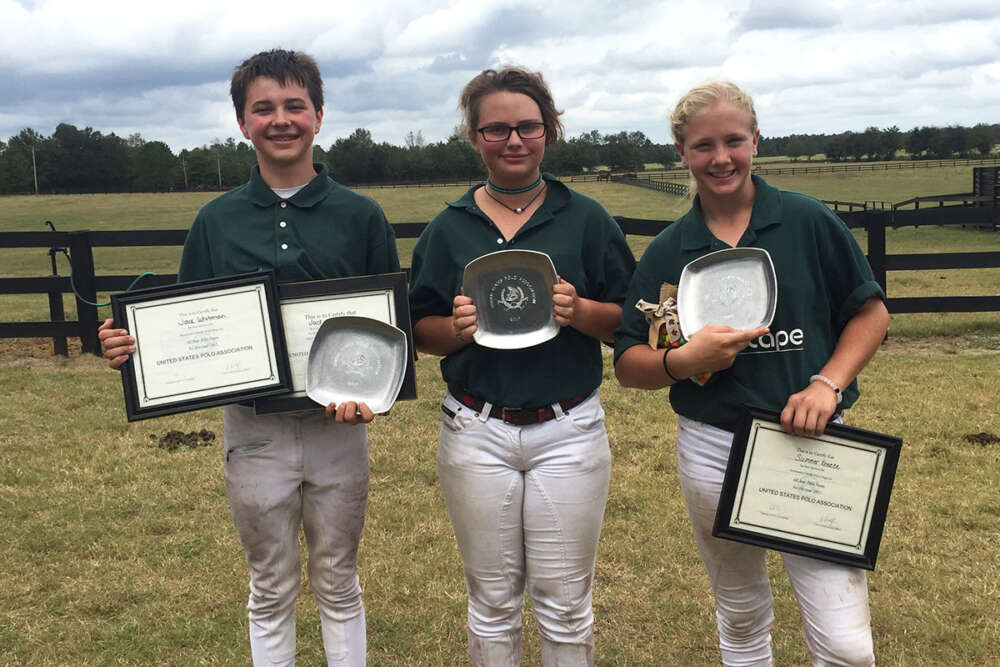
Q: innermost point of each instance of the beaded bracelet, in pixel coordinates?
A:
(829, 383)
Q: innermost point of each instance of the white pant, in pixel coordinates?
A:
(833, 599)
(527, 503)
(283, 471)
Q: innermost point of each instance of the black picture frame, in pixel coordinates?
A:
(389, 290)
(236, 337)
(824, 497)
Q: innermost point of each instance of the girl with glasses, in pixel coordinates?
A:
(523, 455)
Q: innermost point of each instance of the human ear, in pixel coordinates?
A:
(680, 150)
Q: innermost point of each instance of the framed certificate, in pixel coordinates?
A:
(825, 497)
(202, 343)
(305, 306)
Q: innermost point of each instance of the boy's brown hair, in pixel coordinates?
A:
(282, 66)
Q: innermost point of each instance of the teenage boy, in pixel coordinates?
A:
(299, 468)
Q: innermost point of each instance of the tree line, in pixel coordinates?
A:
(886, 143)
(74, 160)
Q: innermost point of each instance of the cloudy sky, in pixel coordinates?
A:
(161, 69)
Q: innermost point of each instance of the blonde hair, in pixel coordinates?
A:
(700, 98)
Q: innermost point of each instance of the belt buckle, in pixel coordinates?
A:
(505, 414)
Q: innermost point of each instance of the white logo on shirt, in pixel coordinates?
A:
(777, 341)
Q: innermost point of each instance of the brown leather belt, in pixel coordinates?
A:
(516, 416)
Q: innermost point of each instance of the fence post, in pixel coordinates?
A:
(82, 278)
(875, 222)
(56, 311)
(57, 314)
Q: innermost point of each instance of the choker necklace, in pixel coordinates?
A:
(519, 209)
(515, 191)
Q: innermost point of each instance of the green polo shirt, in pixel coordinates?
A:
(823, 279)
(588, 250)
(324, 231)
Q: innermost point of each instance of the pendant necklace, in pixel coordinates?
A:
(518, 209)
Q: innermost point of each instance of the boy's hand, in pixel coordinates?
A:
(350, 412)
(116, 344)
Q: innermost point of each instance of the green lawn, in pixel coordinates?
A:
(117, 551)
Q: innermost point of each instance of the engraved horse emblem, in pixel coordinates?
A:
(512, 297)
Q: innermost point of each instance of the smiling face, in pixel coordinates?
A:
(719, 146)
(281, 121)
(513, 163)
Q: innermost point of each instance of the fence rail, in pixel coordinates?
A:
(679, 189)
(87, 284)
(679, 174)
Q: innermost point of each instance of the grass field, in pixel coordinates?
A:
(118, 551)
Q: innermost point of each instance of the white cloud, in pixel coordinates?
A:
(162, 69)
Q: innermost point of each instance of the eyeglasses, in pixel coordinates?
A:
(502, 132)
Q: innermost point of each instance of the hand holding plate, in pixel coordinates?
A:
(350, 412)
(116, 344)
(712, 348)
(564, 300)
(463, 318)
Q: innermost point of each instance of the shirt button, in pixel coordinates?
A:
(284, 204)
(284, 246)
(500, 241)
(282, 224)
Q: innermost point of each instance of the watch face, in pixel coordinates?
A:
(512, 291)
(736, 287)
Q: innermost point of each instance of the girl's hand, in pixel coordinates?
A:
(808, 411)
(713, 348)
(463, 314)
(564, 300)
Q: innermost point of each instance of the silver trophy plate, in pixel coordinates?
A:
(512, 291)
(356, 359)
(734, 287)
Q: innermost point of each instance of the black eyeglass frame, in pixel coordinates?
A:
(510, 128)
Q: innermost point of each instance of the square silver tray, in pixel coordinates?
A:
(356, 359)
(512, 291)
(736, 287)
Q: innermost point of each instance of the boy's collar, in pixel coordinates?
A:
(261, 193)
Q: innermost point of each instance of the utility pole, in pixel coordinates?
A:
(34, 168)
(185, 170)
(218, 167)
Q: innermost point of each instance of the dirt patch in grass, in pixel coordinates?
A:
(35, 348)
(173, 440)
(984, 438)
(987, 343)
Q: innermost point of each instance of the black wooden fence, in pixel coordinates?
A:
(86, 284)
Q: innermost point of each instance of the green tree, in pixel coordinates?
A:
(797, 147)
(156, 169)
